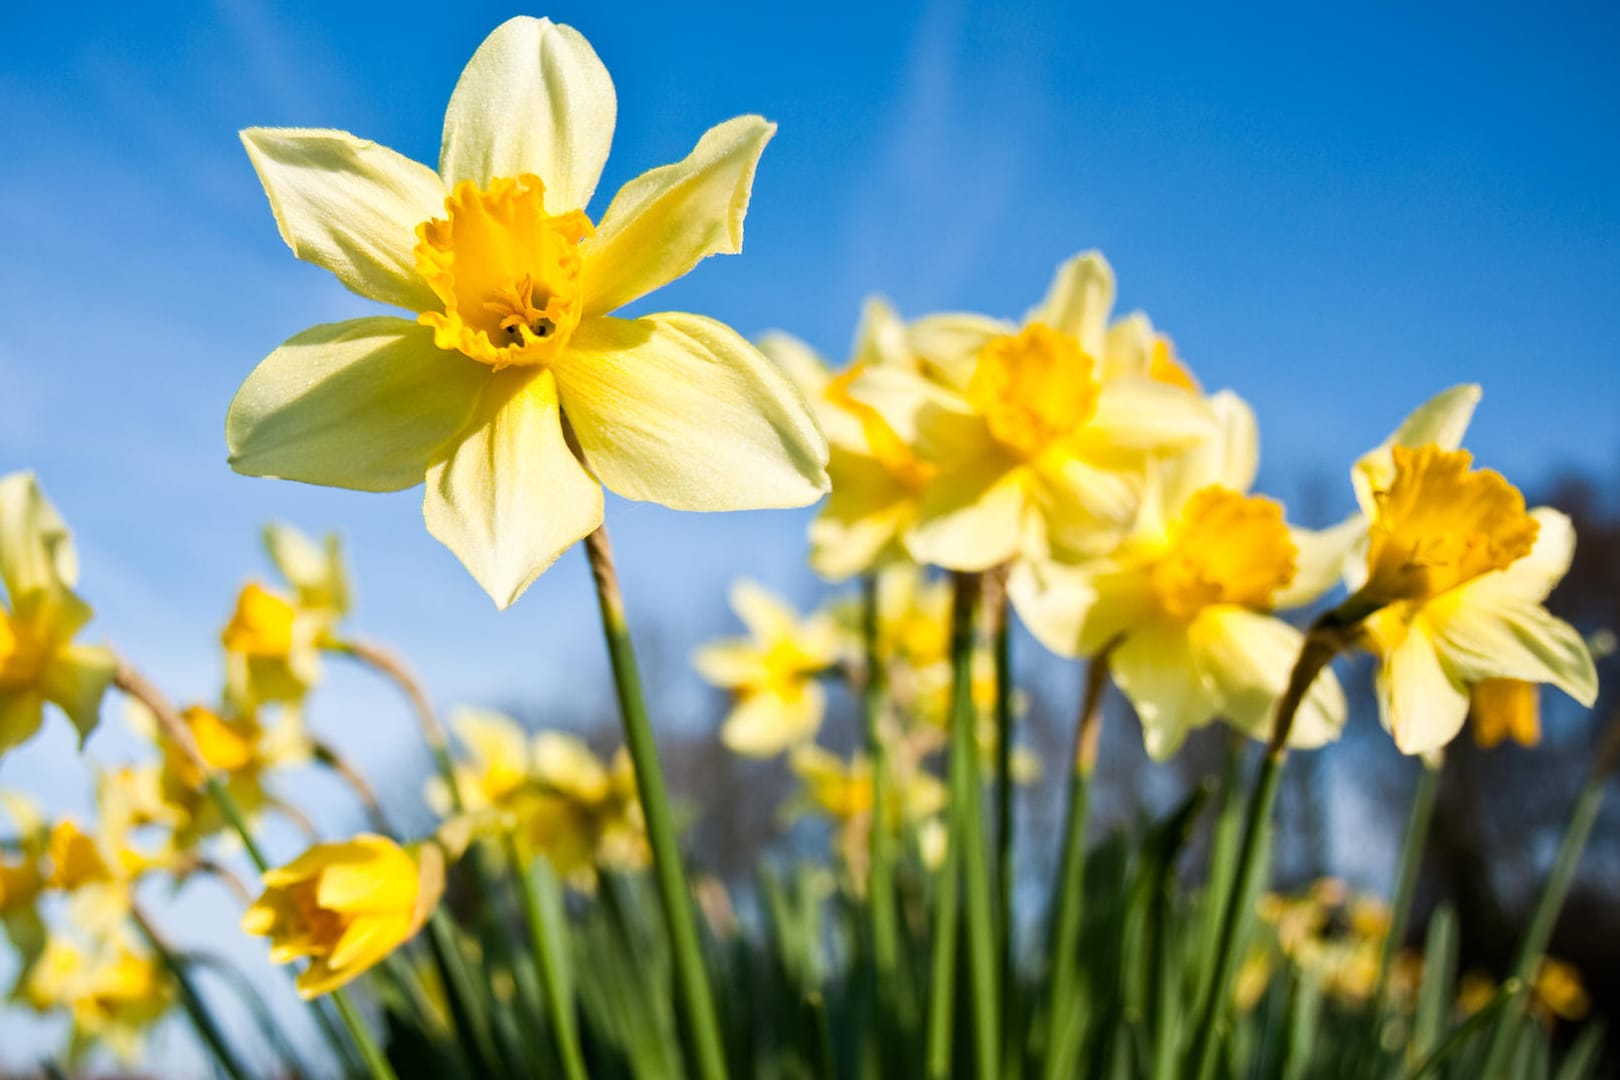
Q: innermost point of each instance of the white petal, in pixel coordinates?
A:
(764, 725)
(680, 410)
(511, 496)
(1248, 657)
(1154, 668)
(1324, 557)
(365, 404)
(1419, 703)
(533, 99)
(1078, 301)
(351, 206)
(1536, 575)
(1229, 459)
(667, 220)
(1076, 612)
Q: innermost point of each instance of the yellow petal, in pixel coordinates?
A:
(351, 206)
(1228, 459)
(667, 220)
(21, 713)
(1247, 658)
(729, 664)
(1074, 612)
(935, 422)
(1153, 667)
(680, 410)
(1078, 301)
(766, 615)
(1534, 576)
(971, 519)
(1086, 511)
(864, 515)
(1139, 414)
(365, 404)
(1420, 704)
(511, 496)
(1442, 420)
(949, 344)
(880, 338)
(1322, 557)
(764, 725)
(1487, 634)
(75, 681)
(533, 99)
(36, 549)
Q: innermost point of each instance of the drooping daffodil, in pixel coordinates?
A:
(877, 479)
(511, 390)
(39, 661)
(772, 673)
(1037, 434)
(112, 992)
(1184, 607)
(345, 906)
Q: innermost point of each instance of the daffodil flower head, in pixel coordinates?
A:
(345, 906)
(1456, 575)
(1037, 434)
(315, 572)
(843, 791)
(511, 390)
(39, 662)
(112, 992)
(772, 673)
(238, 749)
(272, 651)
(1183, 607)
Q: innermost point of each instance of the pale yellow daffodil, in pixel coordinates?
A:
(773, 673)
(511, 390)
(39, 662)
(1038, 434)
(1459, 571)
(877, 479)
(112, 993)
(346, 906)
(22, 877)
(843, 791)
(1184, 606)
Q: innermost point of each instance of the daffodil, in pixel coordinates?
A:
(22, 877)
(346, 906)
(773, 673)
(1455, 571)
(843, 792)
(1333, 936)
(552, 792)
(510, 389)
(272, 649)
(112, 992)
(1183, 607)
(38, 660)
(877, 479)
(1037, 434)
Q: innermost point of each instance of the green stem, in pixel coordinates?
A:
(376, 1064)
(1062, 1026)
(1534, 945)
(1406, 882)
(1005, 928)
(559, 1005)
(942, 969)
(1327, 636)
(967, 833)
(696, 997)
(201, 1018)
(880, 895)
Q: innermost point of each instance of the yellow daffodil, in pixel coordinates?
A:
(22, 877)
(315, 572)
(346, 906)
(843, 791)
(1184, 605)
(1505, 709)
(1455, 570)
(38, 660)
(112, 992)
(773, 672)
(1037, 434)
(1333, 936)
(1556, 992)
(877, 479)
(556, 796)
(510, 390)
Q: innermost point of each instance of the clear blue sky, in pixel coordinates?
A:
(1336, 212)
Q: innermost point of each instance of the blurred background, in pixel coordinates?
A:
(1337, 213)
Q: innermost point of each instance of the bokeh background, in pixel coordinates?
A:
(1336, 212)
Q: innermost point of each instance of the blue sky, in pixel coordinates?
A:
(1335, 211)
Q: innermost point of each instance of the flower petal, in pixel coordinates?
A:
(1229, 459)
(365, 404)
(680, 410)
(1086, 511)
(1442, 420)
(511, 496)
(1487, 634)
(971, 519)
(1247, 657)
(864, 515)
(21, 713)
(533, 99)
(764, 725)
(730, 663)
(1420, 705)
(1139, 414)
(36, 549)
(669, 219)
(949, 344)
(1076, 613)
(1536, 575)
(75, 681)
(935, 422)
(1154, 668)
(351, 206)
(1323, 556)
(1078, 301)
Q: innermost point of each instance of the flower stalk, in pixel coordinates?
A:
(880, 896)
(696, 996)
